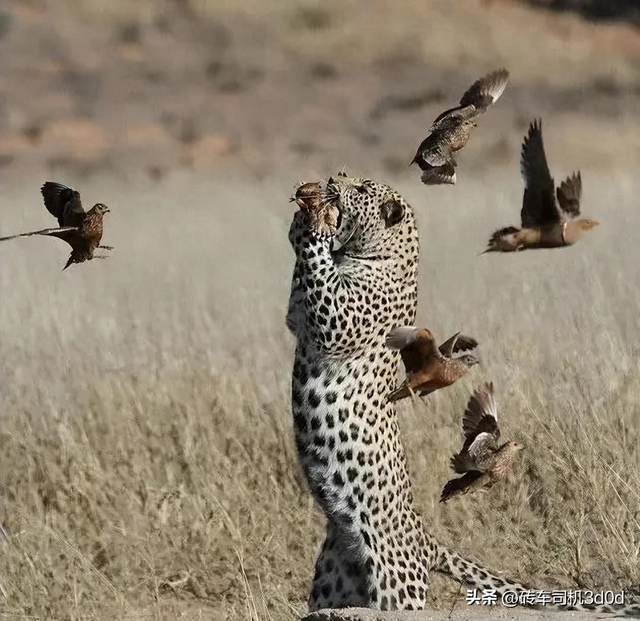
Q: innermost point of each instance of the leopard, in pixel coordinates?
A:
(350, 287)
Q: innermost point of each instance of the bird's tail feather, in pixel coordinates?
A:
(55, 232)
(498, 241)
(69, 262)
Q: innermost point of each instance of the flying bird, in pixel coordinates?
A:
(481, 461)
(452, 129)
(549, 215)
(428, 366)
(81, 230)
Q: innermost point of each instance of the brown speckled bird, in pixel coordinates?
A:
(548, 215)
(452, 129)
(81, 230)
(319, 207)
(308, 196)
(481, 460)
(428, 366)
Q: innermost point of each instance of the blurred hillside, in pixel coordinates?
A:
(154, 88)
(597, 9)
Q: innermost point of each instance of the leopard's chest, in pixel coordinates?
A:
(346, 433)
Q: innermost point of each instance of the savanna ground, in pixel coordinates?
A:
(147, 467)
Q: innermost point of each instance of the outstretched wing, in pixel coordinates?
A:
(452, 117)
(486, 91)
(416, 345)
(458, 342)
(63, 203)
(569, 194)
(433, 151)
(539, 202)
(460, 485)
(480, 423)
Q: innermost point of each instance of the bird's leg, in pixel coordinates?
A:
(100, 256)
(106, 247)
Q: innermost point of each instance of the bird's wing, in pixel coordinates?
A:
(434, 151)
(63, 203)
(486, 91)
(458, 342)
(459, 485)
(399, 338)
(539, 202)
(569, 194)
(443, 115)
(447, 348)
(462, 462)
(480, 450)
(64, 233)
(439, 155)
(452, 117)
(416, 346)
(480, 422)
(464, 343)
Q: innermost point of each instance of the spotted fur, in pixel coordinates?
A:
(343, 304)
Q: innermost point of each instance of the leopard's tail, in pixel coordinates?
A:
(476, 577)
(471, 574)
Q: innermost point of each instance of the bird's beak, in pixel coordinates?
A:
(475, 360)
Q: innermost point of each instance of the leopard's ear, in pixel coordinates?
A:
(392, 212)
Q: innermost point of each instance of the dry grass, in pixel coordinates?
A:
(146, 459)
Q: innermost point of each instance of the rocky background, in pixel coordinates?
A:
(154, 89)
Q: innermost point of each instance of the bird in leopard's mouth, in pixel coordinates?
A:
(321, 206)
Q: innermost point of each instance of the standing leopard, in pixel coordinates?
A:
(343, 304)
